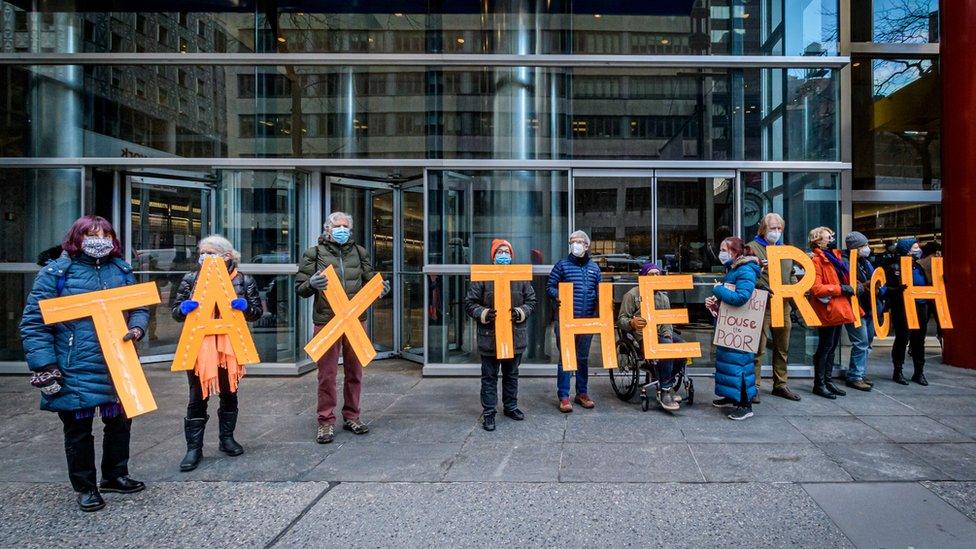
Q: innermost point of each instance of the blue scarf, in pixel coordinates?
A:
(841, 267)
(765, 243)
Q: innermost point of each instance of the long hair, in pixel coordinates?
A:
(81, 227)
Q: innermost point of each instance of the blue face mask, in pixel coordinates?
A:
(503, 258)
(340, 234)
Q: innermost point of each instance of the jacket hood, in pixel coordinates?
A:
(747, 260)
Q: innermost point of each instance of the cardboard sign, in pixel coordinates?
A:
(214, 289)
(501, 277)
(740, 327)
(881, 325)
(797, 292)
(602, 325)
(346, 319)
(106, 309)
(855, 306)
(653, 349)
(935, 292)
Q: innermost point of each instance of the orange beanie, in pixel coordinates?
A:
(497, 243)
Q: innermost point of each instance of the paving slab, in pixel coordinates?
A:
(649, 427)
(546, 425)
(958, 461)
(880, 461)
(421, 428)
(612, 515)
(718, 428)
(835, 429)
(766, 463)
(893, 515)
(639, 463)
(914, 429)
(387, 461)
(963, 424)
(961, 495)
(506, 462)
(185, 514)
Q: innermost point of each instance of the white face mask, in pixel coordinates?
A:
(773, 236)
(577, 249)
(725, 257)
(864, 251)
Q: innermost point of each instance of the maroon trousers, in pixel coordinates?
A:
(352, 382)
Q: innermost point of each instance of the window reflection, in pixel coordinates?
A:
(895, 21)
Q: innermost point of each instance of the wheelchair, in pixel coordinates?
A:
(634, 375)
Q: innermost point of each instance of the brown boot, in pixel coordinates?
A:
(564, 406)
(585, 401)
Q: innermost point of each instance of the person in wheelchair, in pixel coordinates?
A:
(629, 321)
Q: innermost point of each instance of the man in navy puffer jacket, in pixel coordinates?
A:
(579, 269)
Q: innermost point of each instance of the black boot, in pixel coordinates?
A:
(919, 376)
(829, 385)
(228, 421)
(818, 382)
(897, 376)
(193, 429)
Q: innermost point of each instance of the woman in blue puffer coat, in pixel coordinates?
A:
(68, 364)
(735, 376)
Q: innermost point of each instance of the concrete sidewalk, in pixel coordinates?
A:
(895, 467)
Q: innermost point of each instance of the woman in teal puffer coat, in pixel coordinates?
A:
(735, 376)
(68, 364)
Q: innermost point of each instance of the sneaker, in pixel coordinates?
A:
(585, 401)
(356, 426)
(740, 413)
(515, 414)
(488, 421)
(723, 403)
(858, 384)
(325, 435)
(564, 406)
(666, 399)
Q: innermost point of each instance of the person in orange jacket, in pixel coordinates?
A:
(830, 298)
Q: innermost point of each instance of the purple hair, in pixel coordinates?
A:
(84, 225)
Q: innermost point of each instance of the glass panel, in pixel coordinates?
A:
(616, 213)
(895, 21)
(451, 333)
(467, 210)
(276, 333)
(896, 117)
(412, 288)
(885, 223)
(258, 212)
(14, 288)
(694, 216)
(798, 119)
(805, 200)
(39, 206)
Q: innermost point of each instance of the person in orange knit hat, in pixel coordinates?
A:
(217, 370)
(479, 304)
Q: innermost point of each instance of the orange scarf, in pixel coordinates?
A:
(217, 352)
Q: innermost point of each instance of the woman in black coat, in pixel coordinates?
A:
(222, 377)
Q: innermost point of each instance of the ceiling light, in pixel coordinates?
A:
(460, 40)
(597, 15)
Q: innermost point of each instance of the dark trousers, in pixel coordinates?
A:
(79, 448)
(823, 358)
(489, 382)
(197, 407)
(905, 337)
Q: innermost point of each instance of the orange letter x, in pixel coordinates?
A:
(346, 319)
(106, 308)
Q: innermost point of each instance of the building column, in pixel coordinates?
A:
(958, 42)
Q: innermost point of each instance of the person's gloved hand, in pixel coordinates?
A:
(134, 334)
(488, 316)
(48, 380)
(318, 282)
(518, 315)
(386, 289)
(239, 304)
(188, 306)
(637, 323)
(846, 289)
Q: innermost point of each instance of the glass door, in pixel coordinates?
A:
(409, 270)
(165, 218)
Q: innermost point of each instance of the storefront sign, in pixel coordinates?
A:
(346, 320)
(501, 277)
(214, 289)
(602, 325)
(107, 311)
(740, 328)
(653, 349)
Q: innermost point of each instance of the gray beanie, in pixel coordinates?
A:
(855, 240)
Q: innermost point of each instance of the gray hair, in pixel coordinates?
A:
(222, 245)
(580, 234)
(334, 218)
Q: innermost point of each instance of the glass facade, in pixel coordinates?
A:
(657, 127)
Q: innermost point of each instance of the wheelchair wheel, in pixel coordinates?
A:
(625, 378)
(645, 401)
(691, 392)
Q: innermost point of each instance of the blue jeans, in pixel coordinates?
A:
(667, 367)
(582, 366)
(861, 339)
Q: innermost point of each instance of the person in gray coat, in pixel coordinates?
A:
(479, 305)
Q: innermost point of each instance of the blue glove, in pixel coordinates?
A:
(240, 304)
(188, 306)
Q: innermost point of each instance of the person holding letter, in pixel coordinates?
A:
(585, 275)
(830, 297)
(861, 337)
(904, 336)
(217, 369)
(351, 262)
(69, 365)
(630, 320)
(735, 382)
(479, 304)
